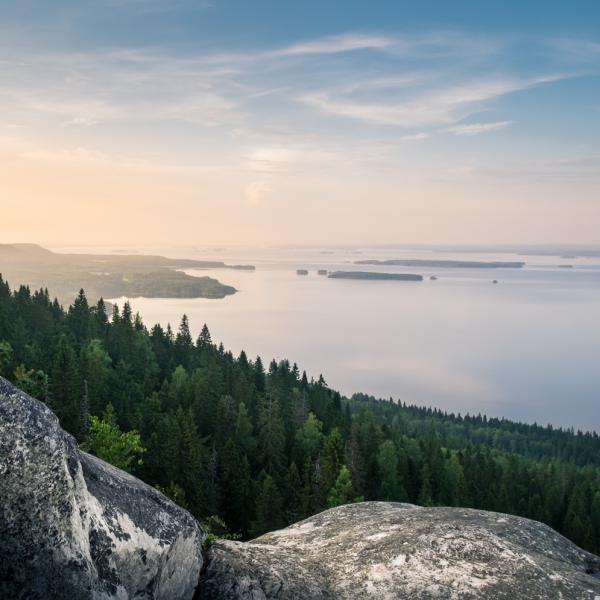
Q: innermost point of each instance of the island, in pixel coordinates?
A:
(451, 264)
(373, 276)
(301, 272)
(110, 276)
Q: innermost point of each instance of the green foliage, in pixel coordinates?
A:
(216, 529)
(268, 507)
(6, 356)
(310, 438)
(34, 383)
(259, 450)
(387, 460)
(342, 492)
(65, 385)
(175, 493)
(108, 442)
(332, 459)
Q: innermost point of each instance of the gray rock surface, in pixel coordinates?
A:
(399, 551)
(72, 526)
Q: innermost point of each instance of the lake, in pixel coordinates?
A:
(526, 348)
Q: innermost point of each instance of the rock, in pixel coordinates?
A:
(397, 551)
(72, 526)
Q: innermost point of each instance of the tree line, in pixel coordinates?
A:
(253, 447)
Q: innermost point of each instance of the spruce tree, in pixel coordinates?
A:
(269, 513)
(342, 492)
(64, 385)
(387, 459)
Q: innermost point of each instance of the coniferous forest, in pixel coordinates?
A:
(249, 447)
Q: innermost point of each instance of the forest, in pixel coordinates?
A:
(250, 447)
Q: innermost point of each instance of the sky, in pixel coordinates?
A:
(269, 122)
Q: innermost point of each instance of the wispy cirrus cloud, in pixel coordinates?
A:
(300, 95)
(409, 81)
(445, 104)
(411, 137)
(158, 6)
(477, 128)
(335, 45)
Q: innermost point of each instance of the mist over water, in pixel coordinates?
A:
(527, 348)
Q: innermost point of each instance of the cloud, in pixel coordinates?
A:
(583, 162)
(415, 137)
(272, 159)
(255, 191)
(444, 105)
(273, 105)
(406, 115)
(335, 45)
(85, 89)
(158, 6)
(79, 155)
(80, 122)
(477, 128)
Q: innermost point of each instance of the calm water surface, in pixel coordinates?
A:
(527, 348)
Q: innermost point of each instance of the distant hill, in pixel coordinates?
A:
(111, 275)
(23, 251)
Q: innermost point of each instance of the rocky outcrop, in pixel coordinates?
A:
(398, 551)
(72, 526)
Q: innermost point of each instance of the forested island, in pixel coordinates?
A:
(450, 264)
(111, 276)
(374, 276)
(248, 447)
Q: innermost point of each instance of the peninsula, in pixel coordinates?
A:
(110, 276)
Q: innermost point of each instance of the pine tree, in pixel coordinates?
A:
(259, 375)
(6, 357)
(204, 339)
(271, 436)
(310, 438)
(293, 496)
(95, 368)
(79, 318)
(269, 513)
(595, 518)
(184, 345)
(64, 383)
(342, 492)
(426, 494)
(244, 430)
(235, 488)
(332, 459)
(387, 459)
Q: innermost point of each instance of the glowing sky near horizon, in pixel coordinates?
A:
(138, 121)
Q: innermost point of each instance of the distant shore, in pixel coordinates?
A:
(110, 275)
(369, 275)
(452, 264)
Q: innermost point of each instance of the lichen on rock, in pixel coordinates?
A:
(73, 526)
(390, 550)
